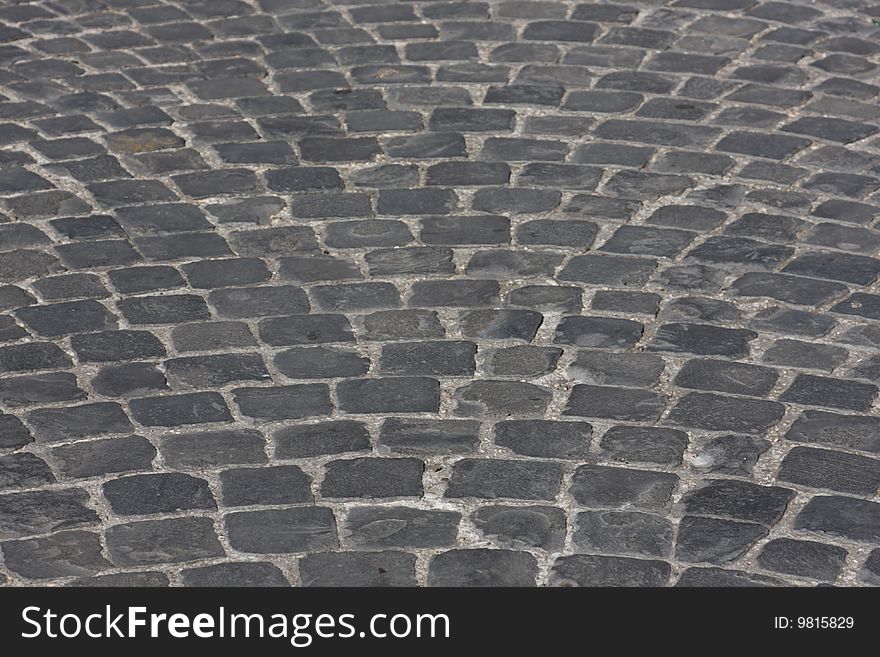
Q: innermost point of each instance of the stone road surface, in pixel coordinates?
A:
(321, 292)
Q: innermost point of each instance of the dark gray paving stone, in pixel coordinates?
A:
(840, 517)
(482, 567)
(838, 471)
(389, 395)
(731, 454)
(795, 353)
(401, 325)
(501, 324)
(545, 438)
(615, 403)
(429, 358)
(495, 478)
(738, 500)
(40, 512)
(129, 379)
(803, 559)
(713, 540)
(240, 574)
(812, 390)
(174, 410)
(205, 336)
(726, 376)
(623, 532)
(307, 440)
(500, 398)
(836, 430)
(162, 541)
(98, 457)
(24, 470)
(702, 339)
(59, 319)
(720, 577)
(388, 568)
(269, 485)
(282, 530)
(282, 402)
(523, 361)
(597, 571)
(637, 369)
(602, 486)
(319, 362)
(634, 444)
(608, 270)
(40, 389)
(373, 478)
(721, 413)
(518, 527)
(158, 493)
(426, 437)
(65, 554)
(306, 329)
(602, 332)
(383, 527)
(78, 422)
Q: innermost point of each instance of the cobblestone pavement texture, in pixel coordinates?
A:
(318, 292)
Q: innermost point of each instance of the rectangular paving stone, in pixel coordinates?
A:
(545, 438)
(33, 356)
(162, 541)
(838, 471)
(420, 437)
(846, 518)
(496, 478)
(615, 403)
(721, 413)
(174, 410)
(814, 390)
(739, 500)
(382, 527)
(389, 395)
(41, 512)
(283, 484)
(725, 376)
(594, 570)
(284, 402)
(60, 555)
(373, 478)
(857, 432)
(98, 457)
(702, 339)
(278, 531)
(40, 389)
(602, 486)
(77, 422)
(714, 540)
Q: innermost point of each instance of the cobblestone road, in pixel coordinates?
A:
(321, 292)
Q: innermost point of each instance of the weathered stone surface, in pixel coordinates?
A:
(481, 567)
(41, 512)
(595, 571)
(518, 527)
(393, 265)
(400, 527)
(65, 554)
(282, 530)
(387, 568)
(601, 486)
(162, 541)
